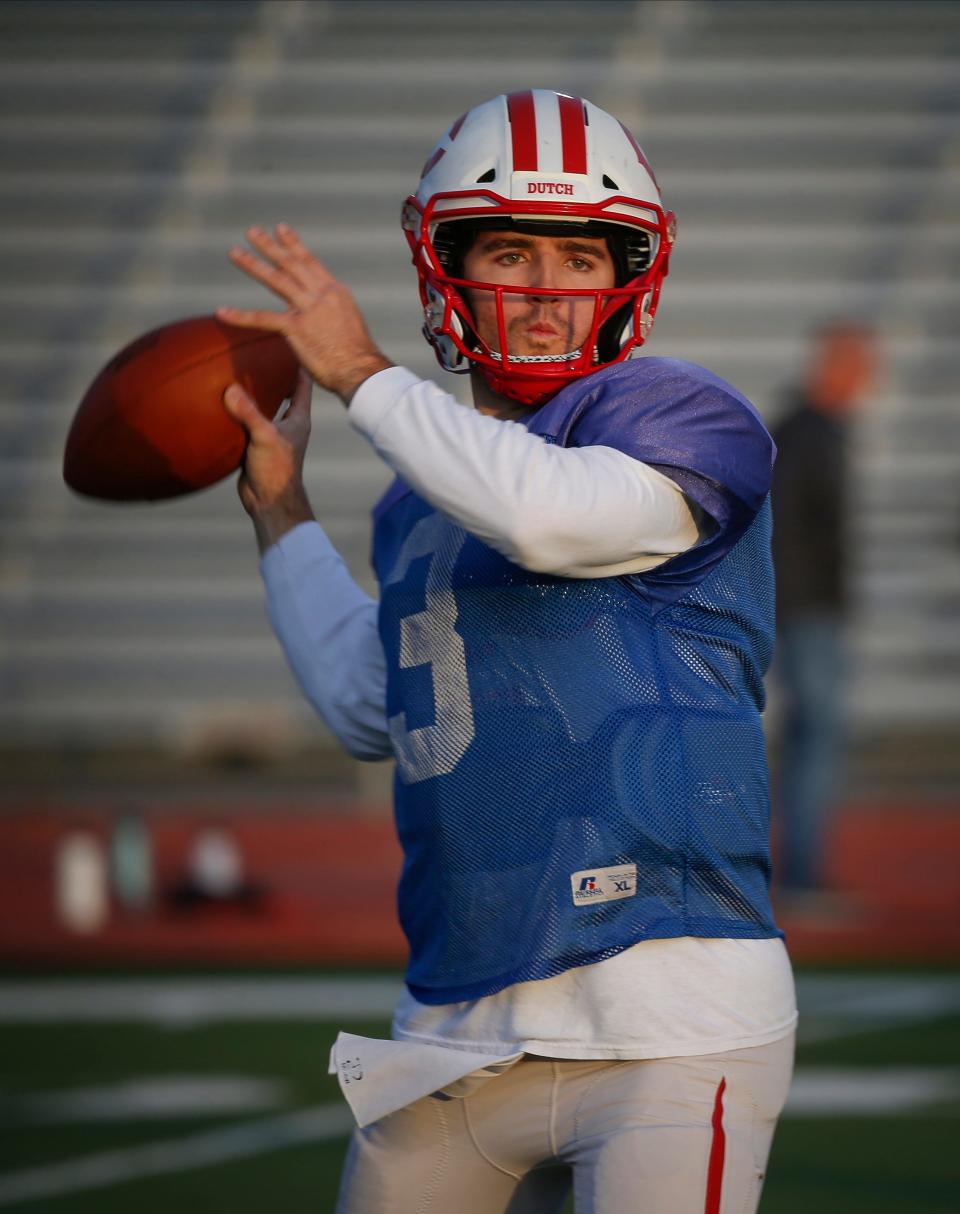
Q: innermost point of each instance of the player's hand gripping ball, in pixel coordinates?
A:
(152, 424)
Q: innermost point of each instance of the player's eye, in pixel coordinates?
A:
(580, 264)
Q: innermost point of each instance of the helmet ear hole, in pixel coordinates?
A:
(489, 175)
(435, 317)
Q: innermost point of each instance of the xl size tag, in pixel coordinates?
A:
(603, 884)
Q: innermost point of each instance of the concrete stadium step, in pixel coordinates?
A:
(900, 594)
(37, 199)
(151, 710)
(391, 145)
(399, 133)
(192, 665)
(93, 563)
(776, 137)
(331, 479)
(802, 251)
(158, 716)
(185, 556)
(804, 28)
(107, 617)
(764, 368)
(179, 612)
(734, 306)
(144, 24)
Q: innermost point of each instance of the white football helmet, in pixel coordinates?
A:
(548, 164)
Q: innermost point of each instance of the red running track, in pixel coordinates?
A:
(321, 884)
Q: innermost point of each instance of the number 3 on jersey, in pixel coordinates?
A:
(429, 638)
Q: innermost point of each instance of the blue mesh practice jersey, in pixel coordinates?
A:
(580, 763)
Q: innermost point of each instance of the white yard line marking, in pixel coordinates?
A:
(859, 1092)
(830, 1005)
(153, 1096)
(195, 1000)
(316, 1124)
(843, 1005)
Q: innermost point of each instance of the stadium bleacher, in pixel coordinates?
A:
(811, 151)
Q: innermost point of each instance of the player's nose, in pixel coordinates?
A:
(545, 277)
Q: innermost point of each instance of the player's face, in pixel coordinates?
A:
(539, 323)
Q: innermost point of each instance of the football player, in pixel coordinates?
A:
(566, 661)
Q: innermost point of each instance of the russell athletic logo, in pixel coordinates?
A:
(603, 884)
(549, 187)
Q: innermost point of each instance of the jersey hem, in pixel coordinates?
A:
(434, 996)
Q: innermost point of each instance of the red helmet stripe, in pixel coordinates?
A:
(523, 130)
(455, 129)
(639, 150)
(437, 155)
(573, 129)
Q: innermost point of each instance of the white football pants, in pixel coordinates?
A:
(659, 1136)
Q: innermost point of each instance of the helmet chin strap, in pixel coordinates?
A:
(531, 389)
(539, 358)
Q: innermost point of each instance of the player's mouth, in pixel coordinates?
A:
(541, 330)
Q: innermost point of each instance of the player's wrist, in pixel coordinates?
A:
(357, 372)
(271, 523)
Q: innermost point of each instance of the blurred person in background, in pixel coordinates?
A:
(812, 559)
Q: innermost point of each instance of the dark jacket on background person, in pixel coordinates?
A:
(810, 480)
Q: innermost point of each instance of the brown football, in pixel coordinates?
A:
(152, 424)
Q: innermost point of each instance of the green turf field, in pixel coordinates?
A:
(150, 1095)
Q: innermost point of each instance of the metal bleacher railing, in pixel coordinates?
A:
(811, 152)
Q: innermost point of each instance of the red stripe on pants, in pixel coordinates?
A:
(717, 1148)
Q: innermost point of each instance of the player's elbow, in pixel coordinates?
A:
(362, 741)
(358, 725)
(367, 750)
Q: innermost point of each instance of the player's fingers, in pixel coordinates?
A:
(294, 422)
(292, 257)
(244, 492)
(302, 393)
(288, 286)
(289, 239)
(255, 318)
(241, 407)
(300, 261)
(264, 242)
